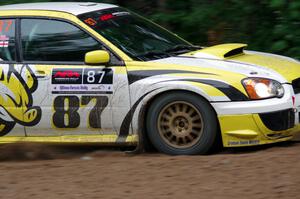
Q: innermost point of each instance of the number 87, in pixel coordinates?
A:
(91, 76)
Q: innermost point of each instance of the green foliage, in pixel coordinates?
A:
(19, 1)
(266, 25)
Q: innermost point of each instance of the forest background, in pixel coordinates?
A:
(265, 25)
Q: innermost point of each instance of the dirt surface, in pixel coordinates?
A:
(39, 171)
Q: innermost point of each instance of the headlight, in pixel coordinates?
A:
(261, 88)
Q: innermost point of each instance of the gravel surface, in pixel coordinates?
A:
(32, 171)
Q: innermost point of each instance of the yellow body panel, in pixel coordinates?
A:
(19, 108)
(289, 69)
(97, 57)
(219, 50)
(101, 139)
(249, 130)
(210, 90)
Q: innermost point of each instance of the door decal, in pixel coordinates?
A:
(16, 100)
(66, 111)
(82, 81)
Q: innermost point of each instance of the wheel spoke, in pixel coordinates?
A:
(184, 141)
(168, 134)
(190, 111)
(167, 114)
(176, 108)
(165, 123)
(194, 132)
(196, 118)
(172, 110)
(174, 139)
(197, 125)
(185, 108)
(190, 137)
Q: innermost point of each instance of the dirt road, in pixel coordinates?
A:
(81, 172)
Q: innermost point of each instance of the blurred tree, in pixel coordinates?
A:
(266, 25)
(286, 31)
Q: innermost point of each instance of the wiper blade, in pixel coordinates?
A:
(182, 48)
(153, 54)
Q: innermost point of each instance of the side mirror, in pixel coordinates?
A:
(97, 57)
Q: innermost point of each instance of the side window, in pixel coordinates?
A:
(56, 41)
(7, 40)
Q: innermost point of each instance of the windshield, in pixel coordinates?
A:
(139, 38)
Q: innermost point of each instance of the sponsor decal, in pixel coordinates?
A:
(4, 41)
(109, 16)
(82, 81)
(90, 21)
(4, 44)
(6, 25)
(67, 76)
(243, 142)
(16, 101)
(106, 17)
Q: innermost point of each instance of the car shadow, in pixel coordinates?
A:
(33, 151)
(36, 151)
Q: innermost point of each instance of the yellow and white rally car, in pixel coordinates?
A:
(90, 72)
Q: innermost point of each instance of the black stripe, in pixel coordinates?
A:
(2, 76)
(125, 126)
(82, 92)
(137, 75)
(231, 92)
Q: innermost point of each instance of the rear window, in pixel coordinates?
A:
(7, 40)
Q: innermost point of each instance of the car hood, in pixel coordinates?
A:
(233, 58)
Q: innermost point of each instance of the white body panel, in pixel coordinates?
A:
(249, 70)
(257, 106)
(110, 118)
(75, 8)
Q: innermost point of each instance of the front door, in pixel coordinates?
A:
(75, 99)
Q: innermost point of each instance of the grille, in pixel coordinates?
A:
(280, 120)
(296, 85)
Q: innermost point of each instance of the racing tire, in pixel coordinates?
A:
(181, 123)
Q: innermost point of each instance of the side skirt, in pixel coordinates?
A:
(131, 140)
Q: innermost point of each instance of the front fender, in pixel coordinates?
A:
(144, 94)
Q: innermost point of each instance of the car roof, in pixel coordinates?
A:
(75, 8)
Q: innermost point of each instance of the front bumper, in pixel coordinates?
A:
(250, 130)
(258, 122)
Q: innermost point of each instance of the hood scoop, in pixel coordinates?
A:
(223, 51)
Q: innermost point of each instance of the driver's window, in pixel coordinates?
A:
(7, 40)
(55, 41)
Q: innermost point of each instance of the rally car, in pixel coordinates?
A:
(98, 73)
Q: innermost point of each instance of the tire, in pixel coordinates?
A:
(181, 123)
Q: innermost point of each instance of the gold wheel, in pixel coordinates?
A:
(180, 124)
